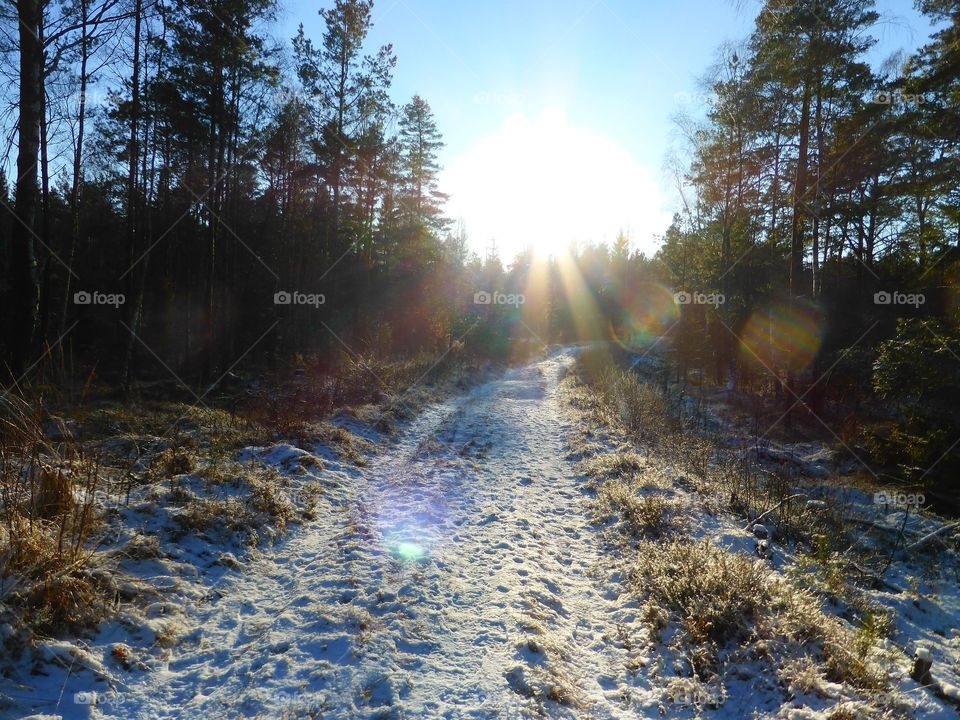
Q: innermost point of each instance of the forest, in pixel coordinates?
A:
(195, 211)
(823, 194)
(177, 170)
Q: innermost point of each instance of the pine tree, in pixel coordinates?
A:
(813, 49)
(420, 201)
(348, 87)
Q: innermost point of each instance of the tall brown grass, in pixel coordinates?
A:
(47, 513)
(659, 420)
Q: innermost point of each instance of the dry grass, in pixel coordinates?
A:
(615, 465)
(713, 606)
(202, 514)
(622, 399)
(266, 503)
(626, 468)
(177, 460)
(323, 384)
(345, 444)
(143, 547)
(52, 521)
(650, 516)
(724, 478)
(721, 599)
(49, 587)
(47, 498)
(717, 594)
(268, 497)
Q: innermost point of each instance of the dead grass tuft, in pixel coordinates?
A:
(173, 461)
(265, 502)
(719, 598)
(47, 513)
(348, 446)
(615, 465)
(268, 498)
(51, 587)
(55, 494)
(650, 516)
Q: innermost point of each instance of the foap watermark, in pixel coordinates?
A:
(696, 98)
(497, 97)
(898, 298)
(95, 297)
(890, 97)
(95, 698)
(98, 98)
(498, 298)
(283, 96)
(295, 297)
(685, 297)
(699, 695)
(85, 697)
(899, 499)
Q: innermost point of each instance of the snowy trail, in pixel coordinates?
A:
(457, 576)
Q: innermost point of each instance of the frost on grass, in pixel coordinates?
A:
(649, 516)
(115, 529)
(716, 610)
(773, 588)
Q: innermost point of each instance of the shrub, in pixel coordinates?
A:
(916, 371)
(637, 406)
(614, 465)
(717, 594)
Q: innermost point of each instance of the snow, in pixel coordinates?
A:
(457, 575)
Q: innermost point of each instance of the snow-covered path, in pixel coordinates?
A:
(456, 576)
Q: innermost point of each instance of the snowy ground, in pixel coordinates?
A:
(458, 575)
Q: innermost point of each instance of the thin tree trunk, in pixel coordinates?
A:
(47, 264)
(818, 124)
(133, 306)
(77, 160)
(24, 290)
(799, 192)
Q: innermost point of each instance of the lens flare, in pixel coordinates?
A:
(646, 312)
(412, 520)
(784, 336)
(409, 551)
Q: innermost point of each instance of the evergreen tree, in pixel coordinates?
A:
(420, 201)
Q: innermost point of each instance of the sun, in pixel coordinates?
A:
(542, 183)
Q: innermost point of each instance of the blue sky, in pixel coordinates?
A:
(606, 76)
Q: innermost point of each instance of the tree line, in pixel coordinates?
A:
(829, 189)
(189, 192)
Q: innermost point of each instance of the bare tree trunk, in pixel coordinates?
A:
(77, 161)
(46, 265)
(796, 230)
(133, 292)
(818, 124)
(799, 191)
(25, 293)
